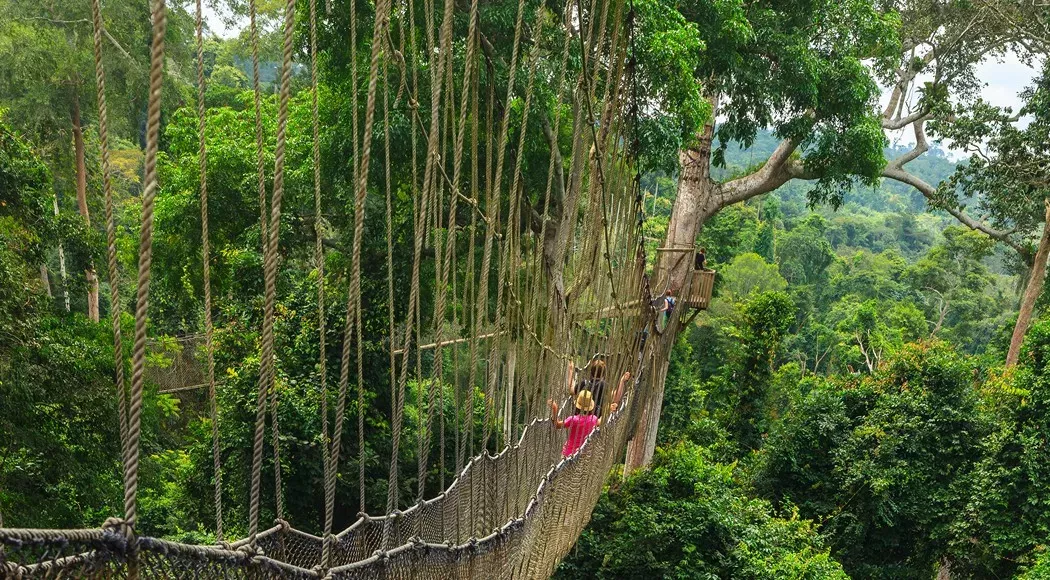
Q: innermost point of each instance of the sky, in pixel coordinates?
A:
(1004, 79)
(216, 23)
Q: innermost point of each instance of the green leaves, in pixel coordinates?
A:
(1006, 172)
(668, 49)
(686, 518)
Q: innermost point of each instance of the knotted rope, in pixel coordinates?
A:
(111, 231)
(266, 362)
(209, 330)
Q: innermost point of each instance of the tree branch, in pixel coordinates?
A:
(928, 191)
(902, 122)
(776, 171)
(921, 146)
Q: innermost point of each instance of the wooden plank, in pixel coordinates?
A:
(434, 345)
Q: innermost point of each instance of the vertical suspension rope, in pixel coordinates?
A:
(379, 33)
(354, 299)
(348, 323)
(472, 292)
(266, 363)
(209, 330)
(111, 231)
(322, 363)
(397, 395)
(515, 189)
(429, 183)
(492, 211)
(260, 174)
(149, 193)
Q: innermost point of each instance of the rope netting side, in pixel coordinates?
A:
(516, 513)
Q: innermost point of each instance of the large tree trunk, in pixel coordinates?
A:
(697, 200)
(78, 146)
(1031, 292)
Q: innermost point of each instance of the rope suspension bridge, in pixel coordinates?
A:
(557, 281)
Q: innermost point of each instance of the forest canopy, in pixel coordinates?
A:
(865, 394)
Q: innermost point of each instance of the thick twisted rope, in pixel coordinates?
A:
(322, 365)
(471, 288)
(433, 160)
(344, 361)
(447, 264)
(149, 193)
(266, 362)
(457, 166)
(379, 33)
(111, 230)
(209, 330)
(397, 395)
(516, 188)
(492, 211)
(501, 147)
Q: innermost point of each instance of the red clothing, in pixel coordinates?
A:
(579, 426)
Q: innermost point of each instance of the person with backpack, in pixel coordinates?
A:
(595, 383)
(668, 304)
(584, 418)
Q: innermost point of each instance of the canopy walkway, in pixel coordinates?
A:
(545, 262)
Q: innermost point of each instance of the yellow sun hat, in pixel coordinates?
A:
(585, 401)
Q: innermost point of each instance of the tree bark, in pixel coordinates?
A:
(699, 198)
(696, 201)
(81, 165)
(45, 280)
(1031, 292)
(61, 262)
(78, 147)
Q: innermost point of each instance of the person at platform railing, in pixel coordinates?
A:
(700, 261)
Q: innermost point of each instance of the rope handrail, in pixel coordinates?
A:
(511, 513)
(238, 554)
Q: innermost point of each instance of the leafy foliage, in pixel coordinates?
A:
(686, 518)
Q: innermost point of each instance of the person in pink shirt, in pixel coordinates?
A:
(580, 425)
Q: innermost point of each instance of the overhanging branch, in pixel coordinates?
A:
(928, 191)
(778, 169)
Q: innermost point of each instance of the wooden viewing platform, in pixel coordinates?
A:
(698, 296)
(701, 284)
